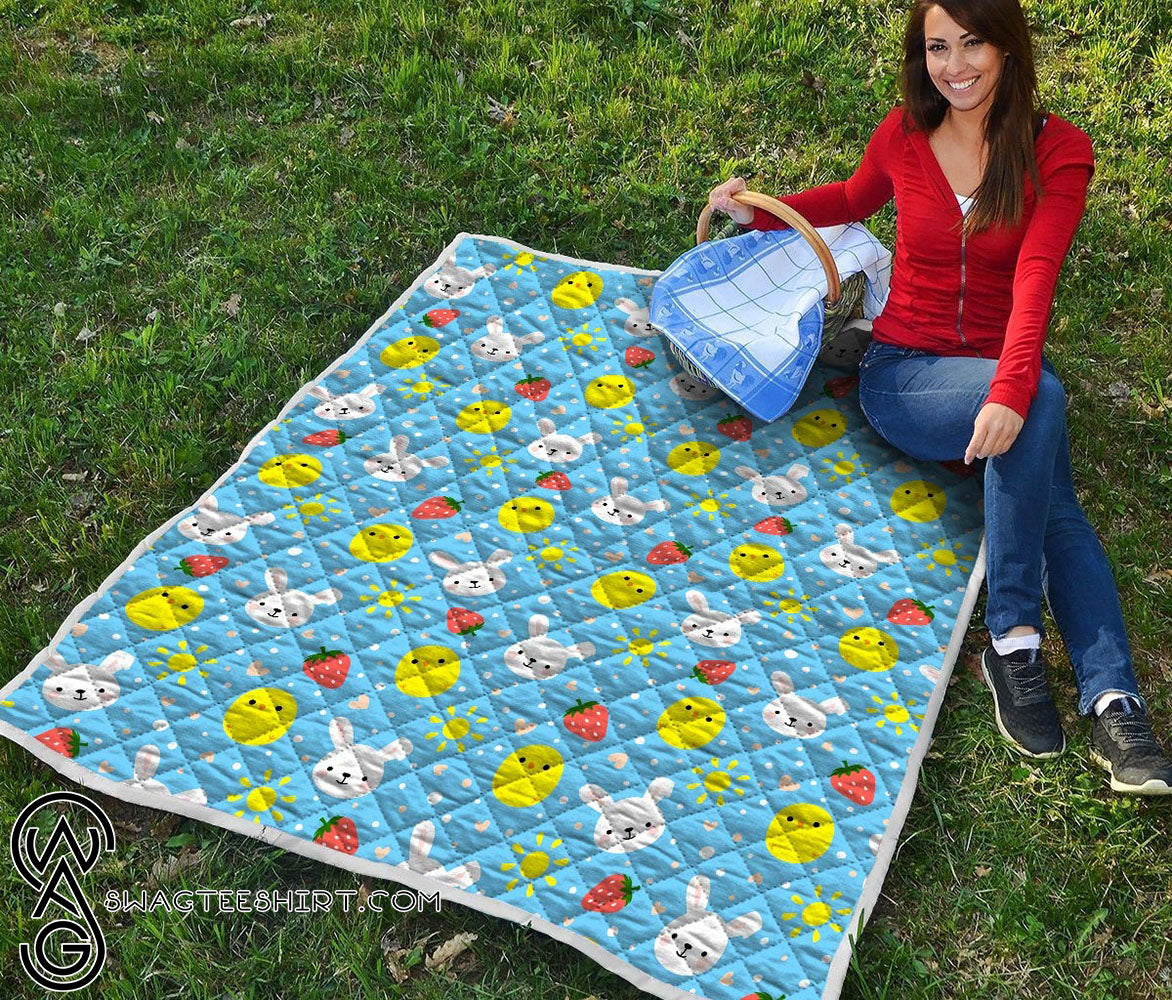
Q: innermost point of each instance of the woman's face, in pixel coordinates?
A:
(956, 56)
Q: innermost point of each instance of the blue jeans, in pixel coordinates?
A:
(925, 405)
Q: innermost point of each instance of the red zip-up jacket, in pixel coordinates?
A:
(987, 295)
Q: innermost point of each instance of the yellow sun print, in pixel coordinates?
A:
(534, 866)
(640, 647)
(262, 798)
(894, 713)
(489, 460)
(551, 554)
(841, 467)
(181, 662)
(317, 507)
(712, 505)
(816, 914)
(583, 340)
(631, 429)
(945, 557)
(389, 600)
(456, 728)
(522, 262)
(415, 390)
(716, 780)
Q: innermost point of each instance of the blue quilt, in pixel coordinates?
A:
(504, 606)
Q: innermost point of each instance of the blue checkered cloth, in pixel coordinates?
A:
(748, 312)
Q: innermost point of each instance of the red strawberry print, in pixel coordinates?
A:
(738, 428)
(836, 388)
(667, 553)
(587, 719)
(713, 671)
(759, 995)
(328, 667)
(554, 480)
(338, 832)
(461, 621)
(436, 508)
(610, 895)
(201, 565)
(854, 781)
(957, 466)
(638, 357)
(64, 740)
(324, 439)
(436, 318)
(775, 525)
(533, 387)
(909, 611)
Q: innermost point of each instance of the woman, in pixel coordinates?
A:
(956, 369)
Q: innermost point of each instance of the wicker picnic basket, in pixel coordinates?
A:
(842, 303)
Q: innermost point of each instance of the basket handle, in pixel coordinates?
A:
(786, 214)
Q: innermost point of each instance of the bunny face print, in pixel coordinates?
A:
(711, 627)
(213, 526)
(280, 607)
(695, 940)
(854, 561)
(792, 715)
(398, 465)
(454, 282)
(540, 655)
(82, 687)
(628, 824)
(348, 405)
(777, 491)
(352, 769)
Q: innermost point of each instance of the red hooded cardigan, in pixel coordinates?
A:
(988, 295)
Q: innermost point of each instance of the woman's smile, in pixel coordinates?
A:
(964, 67)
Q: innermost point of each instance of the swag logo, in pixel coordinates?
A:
(67, 952)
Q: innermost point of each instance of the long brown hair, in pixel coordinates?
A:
(1012, 122)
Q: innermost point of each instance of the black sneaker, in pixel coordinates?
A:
(1122, 742)
(1025, 711)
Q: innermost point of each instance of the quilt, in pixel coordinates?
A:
(507, 608)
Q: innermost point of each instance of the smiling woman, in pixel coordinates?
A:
(956, 367)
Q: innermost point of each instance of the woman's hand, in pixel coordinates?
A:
(994, 431)
(720, 198)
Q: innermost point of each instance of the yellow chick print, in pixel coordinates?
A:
(260, 716)
(819, 428)
(623, 589)
(163, 608)
(690, 723)
(695, 458)
(756, 562)
(577, 290)
(525, 514)
(527, 776)
(381, 542)
(918, 500)
(868, 649)
(289, 471)
(410, 352)
(485, 417)
(427, 670)
(609, 391)
(800, 833)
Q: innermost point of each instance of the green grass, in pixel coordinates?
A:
(155, 162)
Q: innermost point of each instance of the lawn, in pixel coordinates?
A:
(202, 216)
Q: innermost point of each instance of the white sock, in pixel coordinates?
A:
(1105, 699)
(1006, 646)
